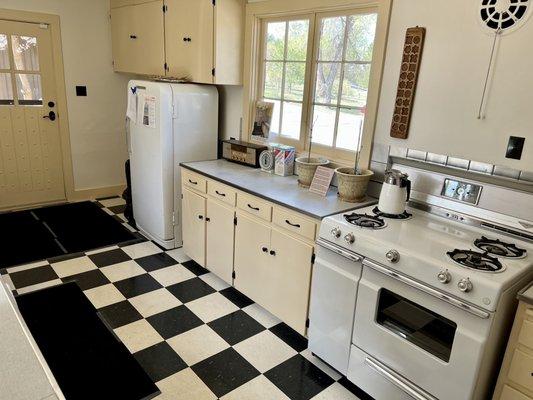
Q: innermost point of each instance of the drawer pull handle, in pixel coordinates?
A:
(264, 249)
(133, 36)
(291, 224)
(272, 253)
(193, 182)
(253, 208)
(220, 194)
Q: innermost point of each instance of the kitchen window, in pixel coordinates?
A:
(316, 70)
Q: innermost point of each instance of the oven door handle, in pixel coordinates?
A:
(426, 289)
(398, 381)
(339, 250)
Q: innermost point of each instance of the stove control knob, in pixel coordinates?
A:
(349, 238)
(393, 256)
(465, 285)
(444, 276)
(336, 233)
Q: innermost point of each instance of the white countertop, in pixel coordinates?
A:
(24, 374)
(283, 190)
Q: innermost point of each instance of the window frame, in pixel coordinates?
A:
(256, 12)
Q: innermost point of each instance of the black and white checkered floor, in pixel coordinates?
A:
(195, 336)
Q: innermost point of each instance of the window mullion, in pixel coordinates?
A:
(283, 76)
(12, 70)
(341, 83)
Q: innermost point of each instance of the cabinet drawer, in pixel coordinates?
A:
(194, 181)
(508, 393)
(294, 223)
(221, 192)
(522, 369)
(526, 334)
(254, 206)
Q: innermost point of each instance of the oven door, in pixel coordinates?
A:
(432, 343)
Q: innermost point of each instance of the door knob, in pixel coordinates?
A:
(51, 116)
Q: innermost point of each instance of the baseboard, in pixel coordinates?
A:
(96, 193)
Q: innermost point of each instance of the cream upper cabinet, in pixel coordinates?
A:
(201, 40)
(193, 226)
(290, 279)
(137, 33)
(189, 30)
(252, 258)
(220, 238)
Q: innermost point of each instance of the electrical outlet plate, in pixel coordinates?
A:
(461, 191)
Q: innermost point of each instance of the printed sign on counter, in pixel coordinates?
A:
(322, 180)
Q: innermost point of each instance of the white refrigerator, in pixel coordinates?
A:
(168, 123)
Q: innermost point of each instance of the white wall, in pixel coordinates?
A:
(97, 121)
(230, 98)
(452, 74)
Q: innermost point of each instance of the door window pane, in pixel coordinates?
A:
(292, 120)
(294, 81)
(361, 37)
(29, 89)
(25, 53)
(4, 52)
(6, 89)
(416, 324)
(275, 41)
(297, 40)
(324, 124)
(275, 124)
(273, 80)
(331, 44)
(327, 83)
(349, 129)
(355, 85)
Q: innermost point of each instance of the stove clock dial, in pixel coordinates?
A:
(465, 285)
(349, 238)
(393, 256)
(444, 277)
(336, 233)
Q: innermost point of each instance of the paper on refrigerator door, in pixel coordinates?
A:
(146, 105)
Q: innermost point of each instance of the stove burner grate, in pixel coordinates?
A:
(365, 220)
(404, 215)
(476, 260)
(499, 248)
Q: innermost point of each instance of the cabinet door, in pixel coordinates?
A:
(189, 30)
(138, 38)
(220, 239)
(252, 240)
(289, 280)
(193, 213)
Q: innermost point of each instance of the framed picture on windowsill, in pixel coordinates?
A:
(262, 120)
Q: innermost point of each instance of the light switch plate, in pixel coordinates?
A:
(461, 191)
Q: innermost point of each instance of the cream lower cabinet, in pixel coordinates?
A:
(273, 269)
(193, 225)
(220, 227)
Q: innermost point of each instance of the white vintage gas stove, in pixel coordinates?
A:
(419, 305)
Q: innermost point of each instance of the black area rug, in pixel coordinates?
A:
(86, 359)
(52, 231)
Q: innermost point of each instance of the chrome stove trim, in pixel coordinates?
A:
(426, 289)
(338, 250)
(397, 380)
(469, 220)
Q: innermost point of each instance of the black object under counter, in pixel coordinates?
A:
(86, 359)
(282, 190)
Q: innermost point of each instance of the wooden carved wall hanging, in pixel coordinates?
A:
(411, 58)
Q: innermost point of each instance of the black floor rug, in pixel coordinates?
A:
(85, 357)
(48, 232)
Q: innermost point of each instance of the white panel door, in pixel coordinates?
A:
(193, 211)
(220, 240)
(31, 167)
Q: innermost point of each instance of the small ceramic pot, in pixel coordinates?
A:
(352, 188)
(306, 168)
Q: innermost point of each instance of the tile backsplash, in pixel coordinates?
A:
(381, 158)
